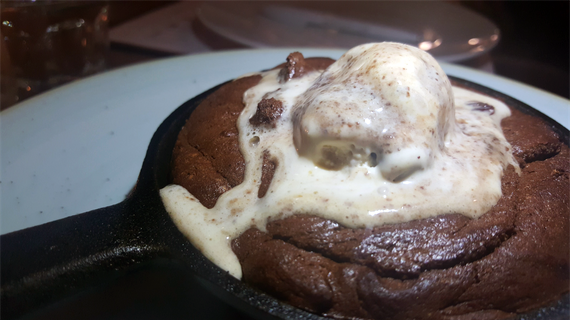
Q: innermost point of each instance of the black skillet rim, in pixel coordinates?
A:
(47, 263)
(248, 299)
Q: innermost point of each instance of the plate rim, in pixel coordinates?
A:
(22, 110)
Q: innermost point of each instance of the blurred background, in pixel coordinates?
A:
(524, 41)
(533, 48)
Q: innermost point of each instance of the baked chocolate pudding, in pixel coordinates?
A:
(372, 188)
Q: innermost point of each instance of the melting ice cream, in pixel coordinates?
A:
(379, 137)
(389, 105)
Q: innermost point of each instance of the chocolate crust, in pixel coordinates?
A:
(512, 259)
(206, 157)
(540, 144)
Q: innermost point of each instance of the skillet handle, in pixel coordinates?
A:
(46, 263)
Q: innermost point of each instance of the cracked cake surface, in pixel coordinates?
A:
(510, 260)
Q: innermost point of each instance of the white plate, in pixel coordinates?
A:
(80, 147)
(449, 32)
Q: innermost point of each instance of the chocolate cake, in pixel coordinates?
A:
(512, 259)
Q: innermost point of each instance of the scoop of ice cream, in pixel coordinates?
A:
(383, 104)
(382, 110)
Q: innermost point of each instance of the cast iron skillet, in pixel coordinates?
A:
(47, 263)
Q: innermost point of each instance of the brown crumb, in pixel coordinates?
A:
(268, 112)
(267, 171)
(294, 68)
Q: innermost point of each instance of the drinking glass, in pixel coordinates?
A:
(48, 43)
